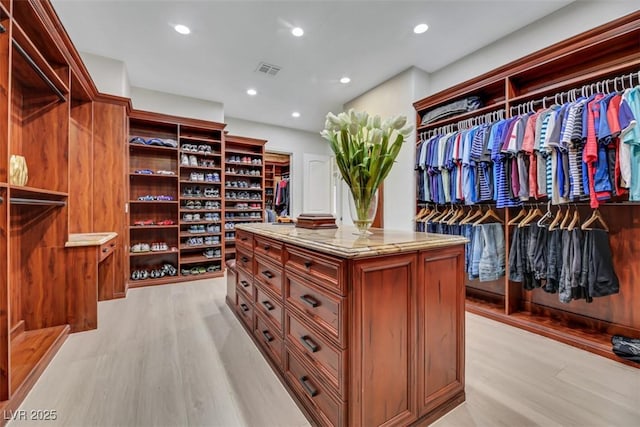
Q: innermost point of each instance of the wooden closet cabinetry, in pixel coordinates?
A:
(175, 197)
(244, 186)
(606, 52)
(367, 340)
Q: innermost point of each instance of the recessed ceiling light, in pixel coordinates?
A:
(345, 80)
(182, 29)
(420, 28)
(297, 31)
(295, 114)
(252, 92)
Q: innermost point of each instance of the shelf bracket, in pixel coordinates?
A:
(39, 71)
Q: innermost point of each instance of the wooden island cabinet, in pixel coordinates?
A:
(362, 331)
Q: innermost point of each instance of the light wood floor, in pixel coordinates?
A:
(174, 355)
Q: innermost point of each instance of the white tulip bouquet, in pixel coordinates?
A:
(365, 148)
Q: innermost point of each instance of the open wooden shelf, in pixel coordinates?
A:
(205, 168)
(211, 275)
(203, 246)
(185, 181)
(199, 138)
(197, 259)
(156, 148)
(36, 193)
(241, 151)
(200, 222)
(151, 227)
(151, 282)
(200, 198)
(243, 175)
(152, 253)
(454, 119)
(201, 153)
(242, 219)
(187, 234)
(156, 202)
(31, 352)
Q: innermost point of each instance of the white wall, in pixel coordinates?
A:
(167, 103)
(575, 18)
(109, 75)
(395, 96)
(284, 140)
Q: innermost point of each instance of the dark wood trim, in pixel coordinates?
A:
(150, 116)
(564, 48)
(243, 140)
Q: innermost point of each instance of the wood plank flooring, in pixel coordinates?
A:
(175, 355)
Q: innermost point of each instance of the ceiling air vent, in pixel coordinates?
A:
(268, 69)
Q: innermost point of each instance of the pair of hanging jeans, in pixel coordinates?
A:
(492, 263)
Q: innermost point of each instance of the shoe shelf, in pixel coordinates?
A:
(187, 234)
(232, 150)
(201, 153)
(152, 227)
(243, 175)
(197, 259)
(207, 168)
(188, 210)
(200, 198)
(244, 200)
(200, 247)
(151, 282)
(244, 210)
(152, 253)
(199, 222)
(186, 181)
(186, 138)
(154, 202)
(152, 175)
(152, 148)
(242, 219)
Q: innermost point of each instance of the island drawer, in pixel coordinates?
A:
(324, 309)
(270, 249)
(326, 271)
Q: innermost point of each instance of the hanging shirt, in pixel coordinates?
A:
(631, 137)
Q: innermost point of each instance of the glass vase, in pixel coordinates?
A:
(363, 212)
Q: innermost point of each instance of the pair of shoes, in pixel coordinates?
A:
(626, 347)
(212, 240)
(213, 267)
(196, 229)
(143, 222)
(195, 241)
(144, 172)
(140, 247)
(211, 192)
(159, 246)
(165, 172)
(165, 142)
(166, 222)
(213, 228)
(139, 275)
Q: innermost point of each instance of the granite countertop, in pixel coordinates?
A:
(89, 239)
(343, 241)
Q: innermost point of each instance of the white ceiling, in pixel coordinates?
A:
(370, 41)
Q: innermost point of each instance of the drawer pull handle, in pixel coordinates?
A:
(244, 283)
(267, 336)
(267, 247)
(310, 389)
(105, 250)
(308, 264)
(244, 239)
(310, 300)
(244, 307)
(268, 274)
(309, 343)
(244, 259)
(268, 305)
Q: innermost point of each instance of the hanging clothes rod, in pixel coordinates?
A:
(584, 91)
(40, 202)
(39, 71)
(486, 118)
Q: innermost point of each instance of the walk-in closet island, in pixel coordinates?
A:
(362, 330)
